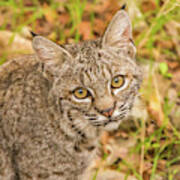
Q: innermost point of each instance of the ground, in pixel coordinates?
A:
(148, 146)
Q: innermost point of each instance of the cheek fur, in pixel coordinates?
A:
(71, 103)
(81, 101)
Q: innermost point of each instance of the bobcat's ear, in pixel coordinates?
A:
(49, 52)
(119, 32)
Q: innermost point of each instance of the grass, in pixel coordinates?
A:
(76, 9)
(162, 145)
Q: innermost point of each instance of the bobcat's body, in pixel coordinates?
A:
(46, 132)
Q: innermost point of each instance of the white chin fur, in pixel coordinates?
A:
(112, 126)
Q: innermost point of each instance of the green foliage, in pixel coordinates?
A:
(163, 68)
(76, 9)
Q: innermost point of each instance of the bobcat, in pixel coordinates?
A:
(55, 103)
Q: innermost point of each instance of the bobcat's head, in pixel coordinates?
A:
(94, 82)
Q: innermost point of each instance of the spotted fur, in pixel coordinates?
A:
(45, 131)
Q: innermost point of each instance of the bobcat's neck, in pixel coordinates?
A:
(85, 139)
(80, 134)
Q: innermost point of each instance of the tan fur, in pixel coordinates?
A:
(45, 131)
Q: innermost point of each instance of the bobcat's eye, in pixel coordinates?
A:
(81, 93)
(117, 81)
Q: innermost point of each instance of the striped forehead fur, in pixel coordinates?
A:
(103, 66)
(88, 54)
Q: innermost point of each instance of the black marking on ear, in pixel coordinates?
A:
(33, 34)
(123, 6)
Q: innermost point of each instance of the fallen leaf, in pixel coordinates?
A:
(64, 18)
(99, 26)
(148, 5)
(49, 14)
(85, 30)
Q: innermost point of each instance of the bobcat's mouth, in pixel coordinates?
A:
(113, 123)
(104, 122)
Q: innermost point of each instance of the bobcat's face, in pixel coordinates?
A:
(96, 81)
(99, 92)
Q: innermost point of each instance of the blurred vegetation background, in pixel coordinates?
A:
(147, 148)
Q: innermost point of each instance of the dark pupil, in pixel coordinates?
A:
(80, 91)
(116, 80)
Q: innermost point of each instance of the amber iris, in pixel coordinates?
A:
(117, 81)
(80, 93)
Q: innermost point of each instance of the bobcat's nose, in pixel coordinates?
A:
(108, 112)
